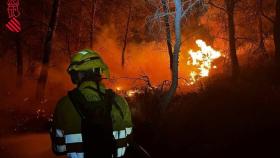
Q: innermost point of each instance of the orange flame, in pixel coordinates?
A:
(202, 60)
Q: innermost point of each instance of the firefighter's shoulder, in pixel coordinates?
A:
(65, 115)
(63, 104)
(121, 101)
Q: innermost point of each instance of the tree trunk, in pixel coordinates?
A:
(69, 35)
(230, 5)
(178, 16)
(168, 32)
(277, 32)
(42, 81)
(126, 35)
(260, 25)
(93, 11)
(78, 44)
(19, 62)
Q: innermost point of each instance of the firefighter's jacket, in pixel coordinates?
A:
(66, 129)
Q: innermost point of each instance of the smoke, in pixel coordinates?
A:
(144, 58)
(149, 58)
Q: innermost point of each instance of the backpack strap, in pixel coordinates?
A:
(78, 100)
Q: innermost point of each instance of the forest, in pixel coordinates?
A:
(201, 77)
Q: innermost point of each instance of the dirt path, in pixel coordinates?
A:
(26, 146)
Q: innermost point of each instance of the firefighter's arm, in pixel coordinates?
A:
(56, 131)
(127, 118)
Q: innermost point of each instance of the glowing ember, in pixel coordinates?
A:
(130, 93)
(202, 60)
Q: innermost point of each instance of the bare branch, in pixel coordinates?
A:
(267, 17)
(144, 78)
(217, 6)
(223, 38)
(190, 7)
(158, 15)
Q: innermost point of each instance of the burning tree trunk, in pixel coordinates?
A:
(168, 32)
(47, 50)
(177, 47)
(19, 60)
(126, 35)
(277, 32)
(230, 5)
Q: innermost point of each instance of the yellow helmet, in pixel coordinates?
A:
(88, 60)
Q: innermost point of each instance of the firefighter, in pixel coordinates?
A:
(91, 121)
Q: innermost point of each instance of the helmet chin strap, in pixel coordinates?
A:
(98, 87)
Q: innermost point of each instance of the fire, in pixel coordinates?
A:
(129, 92)
(202, 60)
(118, 88)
